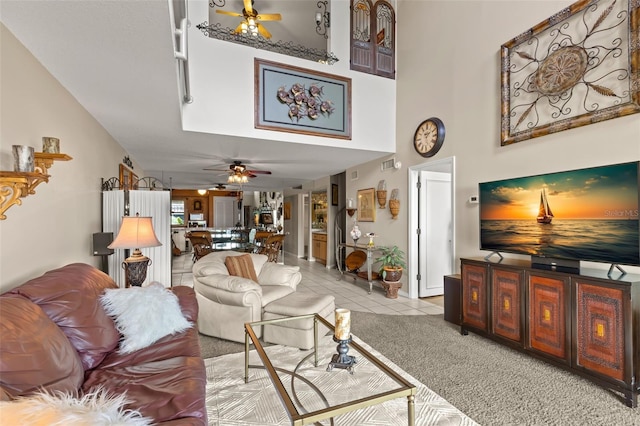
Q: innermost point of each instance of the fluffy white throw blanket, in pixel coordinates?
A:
(97, 408)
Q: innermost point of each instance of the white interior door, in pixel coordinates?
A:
(436, 232)
(224, 212)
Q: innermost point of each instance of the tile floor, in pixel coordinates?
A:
(348, 294)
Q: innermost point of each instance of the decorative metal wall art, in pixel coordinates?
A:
(298, 100)
(580, 66)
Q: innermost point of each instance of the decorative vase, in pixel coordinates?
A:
(392, 274)
(382, 198)
(51, 145)
(23, 158)
(391, 288)
(394, 208)
(355, 234)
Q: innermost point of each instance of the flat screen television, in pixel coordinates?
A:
(578, 215)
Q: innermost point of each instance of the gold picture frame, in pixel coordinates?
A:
(366, 205)
(578, 67)
(128, 179)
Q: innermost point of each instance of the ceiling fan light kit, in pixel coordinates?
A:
(239, 174)
(250, 18)
(250, 32)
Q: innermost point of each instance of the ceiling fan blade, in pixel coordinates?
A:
(247, 7)
(259, 172)
(263, 31)
(269, 17)
(238, 29)
(224, 12)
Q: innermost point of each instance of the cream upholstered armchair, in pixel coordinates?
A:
(227, 301)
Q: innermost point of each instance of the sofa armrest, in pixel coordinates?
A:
(188, 303)
(229, 290)
(229, 283)
(277, 274)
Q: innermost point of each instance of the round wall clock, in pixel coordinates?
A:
(429, 136)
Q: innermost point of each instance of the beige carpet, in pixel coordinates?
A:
(232, 402)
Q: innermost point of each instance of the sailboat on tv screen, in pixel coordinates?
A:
(544, 213)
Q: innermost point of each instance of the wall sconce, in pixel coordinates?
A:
(351, 207)
(323, 21)
(381, 194)
(394, 203)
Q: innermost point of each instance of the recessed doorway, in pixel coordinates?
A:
(431, 227)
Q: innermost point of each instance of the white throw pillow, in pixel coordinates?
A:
(143, 314)
(62, 409)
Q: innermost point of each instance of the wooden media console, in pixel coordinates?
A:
(586, 322)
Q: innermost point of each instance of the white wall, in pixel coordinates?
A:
(451, 69)
(222, 78)
(54, 227)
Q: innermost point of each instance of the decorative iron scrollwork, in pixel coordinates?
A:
(286, 48)
(145, 183)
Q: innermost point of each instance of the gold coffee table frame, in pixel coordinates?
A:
(406, 389)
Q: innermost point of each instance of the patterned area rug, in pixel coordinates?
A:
(231, 402)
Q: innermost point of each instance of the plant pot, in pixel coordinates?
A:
(394, 208)
(392, 274)
(382, 198)
(391, 288)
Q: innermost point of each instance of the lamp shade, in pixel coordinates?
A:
(135, 232)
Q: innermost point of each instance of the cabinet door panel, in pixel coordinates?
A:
(474, 296)
(548, 315)
(600, 341)
(507, 303)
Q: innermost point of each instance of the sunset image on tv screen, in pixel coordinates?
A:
(587, 214)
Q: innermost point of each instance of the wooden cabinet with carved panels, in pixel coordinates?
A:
(603, 342)
(587, 322)
(548, 311)
(474, 295)
(507, 296)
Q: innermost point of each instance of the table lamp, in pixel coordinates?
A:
(135, 232)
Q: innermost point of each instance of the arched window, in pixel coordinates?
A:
(373, 37)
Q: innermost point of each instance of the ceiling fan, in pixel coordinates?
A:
(238, 172)
(250, 24)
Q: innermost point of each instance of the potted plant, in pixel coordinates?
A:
(392, 262)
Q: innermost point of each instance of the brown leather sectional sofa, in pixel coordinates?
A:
(56, 336)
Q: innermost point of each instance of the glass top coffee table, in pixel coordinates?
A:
(311, 390)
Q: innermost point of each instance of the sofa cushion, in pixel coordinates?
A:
(276, 274)
(241, 266)
(34, 352)
(165, 390)
(69, 296)
(271, 293)
(143, 314)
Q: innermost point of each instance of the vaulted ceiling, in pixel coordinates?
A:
(116, 58)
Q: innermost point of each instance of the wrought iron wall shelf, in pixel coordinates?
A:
(17, 185)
